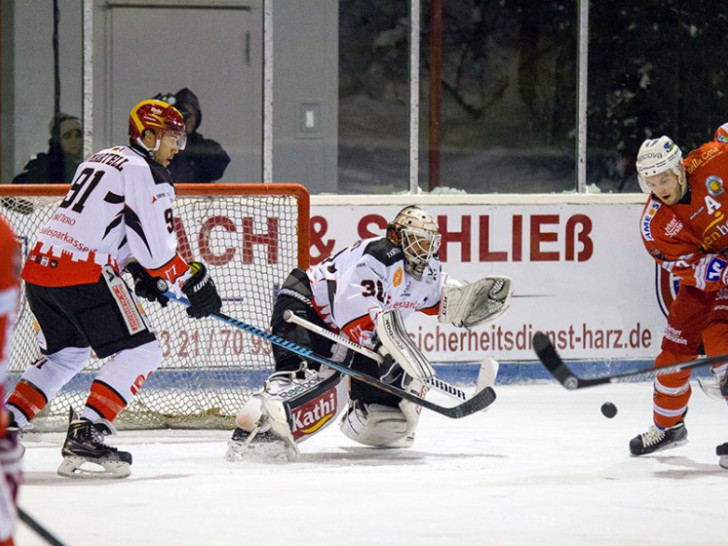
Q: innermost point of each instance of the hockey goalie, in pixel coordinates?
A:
(365, 292)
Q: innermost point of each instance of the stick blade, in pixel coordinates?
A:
(487, 373)
(478, 402)
(548, 356)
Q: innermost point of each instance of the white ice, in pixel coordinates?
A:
(542, 466)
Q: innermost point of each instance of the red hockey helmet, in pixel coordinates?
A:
(157, 116)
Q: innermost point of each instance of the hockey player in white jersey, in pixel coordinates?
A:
(117, 215)
(364, 293)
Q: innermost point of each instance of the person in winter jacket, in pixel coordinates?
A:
(65, 151)
(203, 160)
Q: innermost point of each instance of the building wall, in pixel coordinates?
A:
(213, 48)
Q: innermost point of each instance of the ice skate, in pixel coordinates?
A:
(12, 423)
(260, 447)
(656, 439)
(85, 445)
(270, 439)
(722, 452)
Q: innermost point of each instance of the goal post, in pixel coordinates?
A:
(249, 236)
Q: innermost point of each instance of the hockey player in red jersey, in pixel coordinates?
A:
(116, 215)
(685, 229)
(10, 450)
(364, 292)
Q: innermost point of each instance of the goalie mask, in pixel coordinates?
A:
(159, 117)
(417, 233)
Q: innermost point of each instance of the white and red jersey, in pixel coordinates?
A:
(353, 287)
(118, 207)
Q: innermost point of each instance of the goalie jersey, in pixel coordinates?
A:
(353, 287)
(119, 206)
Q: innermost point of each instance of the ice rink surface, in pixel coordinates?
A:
(541, 466)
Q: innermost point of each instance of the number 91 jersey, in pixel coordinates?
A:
(353, 287)
(119, 205)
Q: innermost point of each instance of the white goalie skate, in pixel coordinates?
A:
(270, 440)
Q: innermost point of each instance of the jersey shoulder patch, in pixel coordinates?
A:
(651, 209)
(384, 251)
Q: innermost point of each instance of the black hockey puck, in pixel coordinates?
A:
(609, 410)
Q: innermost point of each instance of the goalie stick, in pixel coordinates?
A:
(550, 358)
(472, 405)
(485, 375)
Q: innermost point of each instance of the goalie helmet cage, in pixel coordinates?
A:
(250, 236)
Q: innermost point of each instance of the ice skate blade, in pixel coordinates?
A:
(278, 452)
(657, 451)
(73, 467)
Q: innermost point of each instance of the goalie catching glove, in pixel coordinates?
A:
(477, 303)
(201, 292)
(146, 286)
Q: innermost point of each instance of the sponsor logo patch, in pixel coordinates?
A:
(715, 269)
(666, 286)
(397, 280)
(714, 185)
(646, 221)
(311, 416)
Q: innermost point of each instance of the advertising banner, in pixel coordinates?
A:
(580, 273)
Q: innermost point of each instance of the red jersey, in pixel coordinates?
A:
(9, 297)
(690, 238)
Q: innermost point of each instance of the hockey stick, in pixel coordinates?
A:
(481, 400)
(38, 528)
(433, 382)
(550, 358)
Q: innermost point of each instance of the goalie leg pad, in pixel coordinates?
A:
(397, 343)
(381, 425)
(378, 426)
(373, 424)
(294, 408)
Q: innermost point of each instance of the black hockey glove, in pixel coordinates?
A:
(390, 372)
(146, 286)
(201, 291)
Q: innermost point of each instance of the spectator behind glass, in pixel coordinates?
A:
(65, 152)
(203, 159)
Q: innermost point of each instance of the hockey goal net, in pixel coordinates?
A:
(250, 236)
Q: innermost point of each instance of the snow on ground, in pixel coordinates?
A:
(541, 466)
